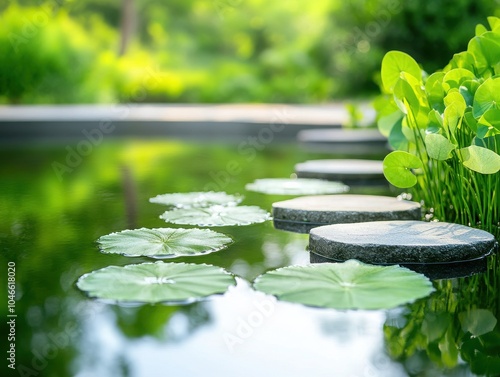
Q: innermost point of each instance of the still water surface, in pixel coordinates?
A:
(48, 227)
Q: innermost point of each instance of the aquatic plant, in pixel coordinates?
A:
(156, 282)
(445, 128)
(348, 285)
(163, 242)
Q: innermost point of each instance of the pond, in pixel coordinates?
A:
(49, 226)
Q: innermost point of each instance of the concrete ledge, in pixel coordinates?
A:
(195, 122)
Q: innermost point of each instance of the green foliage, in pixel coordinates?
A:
(38, 63)
(222, 50)
(459, 321)
(447, 123)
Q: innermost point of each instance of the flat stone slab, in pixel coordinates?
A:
(304, 213)
(401, 242)
(341, 141)
(350, 172)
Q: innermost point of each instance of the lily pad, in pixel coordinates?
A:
(298, 186)
(217, 216)
(348, 285)
(197, 199)
(163, 242)
(156, 282)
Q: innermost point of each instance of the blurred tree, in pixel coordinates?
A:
(235, 50)
(128, 18)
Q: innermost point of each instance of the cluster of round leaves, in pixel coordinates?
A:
(172, 283)
(346, 285)
(454, 113)
(209, 209)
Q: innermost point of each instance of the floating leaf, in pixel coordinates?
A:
(398, 166)
(393, 64)
(438, 147)
(197, 199)
(217, 216)
(480, 159)
(298, 186)
(163, 242)
(348, 285)
(477, 321)
(156, 282)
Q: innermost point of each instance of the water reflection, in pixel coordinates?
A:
(249, 334)
(455, 329)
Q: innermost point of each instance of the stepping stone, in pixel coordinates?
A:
(350, 172)
(341, 141)
(304, 213)
(401, 242)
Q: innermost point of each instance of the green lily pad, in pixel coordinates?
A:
(398, 167)
(298, 186)
(217, 216)
(173, 283)
(197, 199)
(163, 242)
(348, 285)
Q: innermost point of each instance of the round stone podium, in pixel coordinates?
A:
(401, 242)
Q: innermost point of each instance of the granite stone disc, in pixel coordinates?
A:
(401, 242)
(350, 172)
(304, 213)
